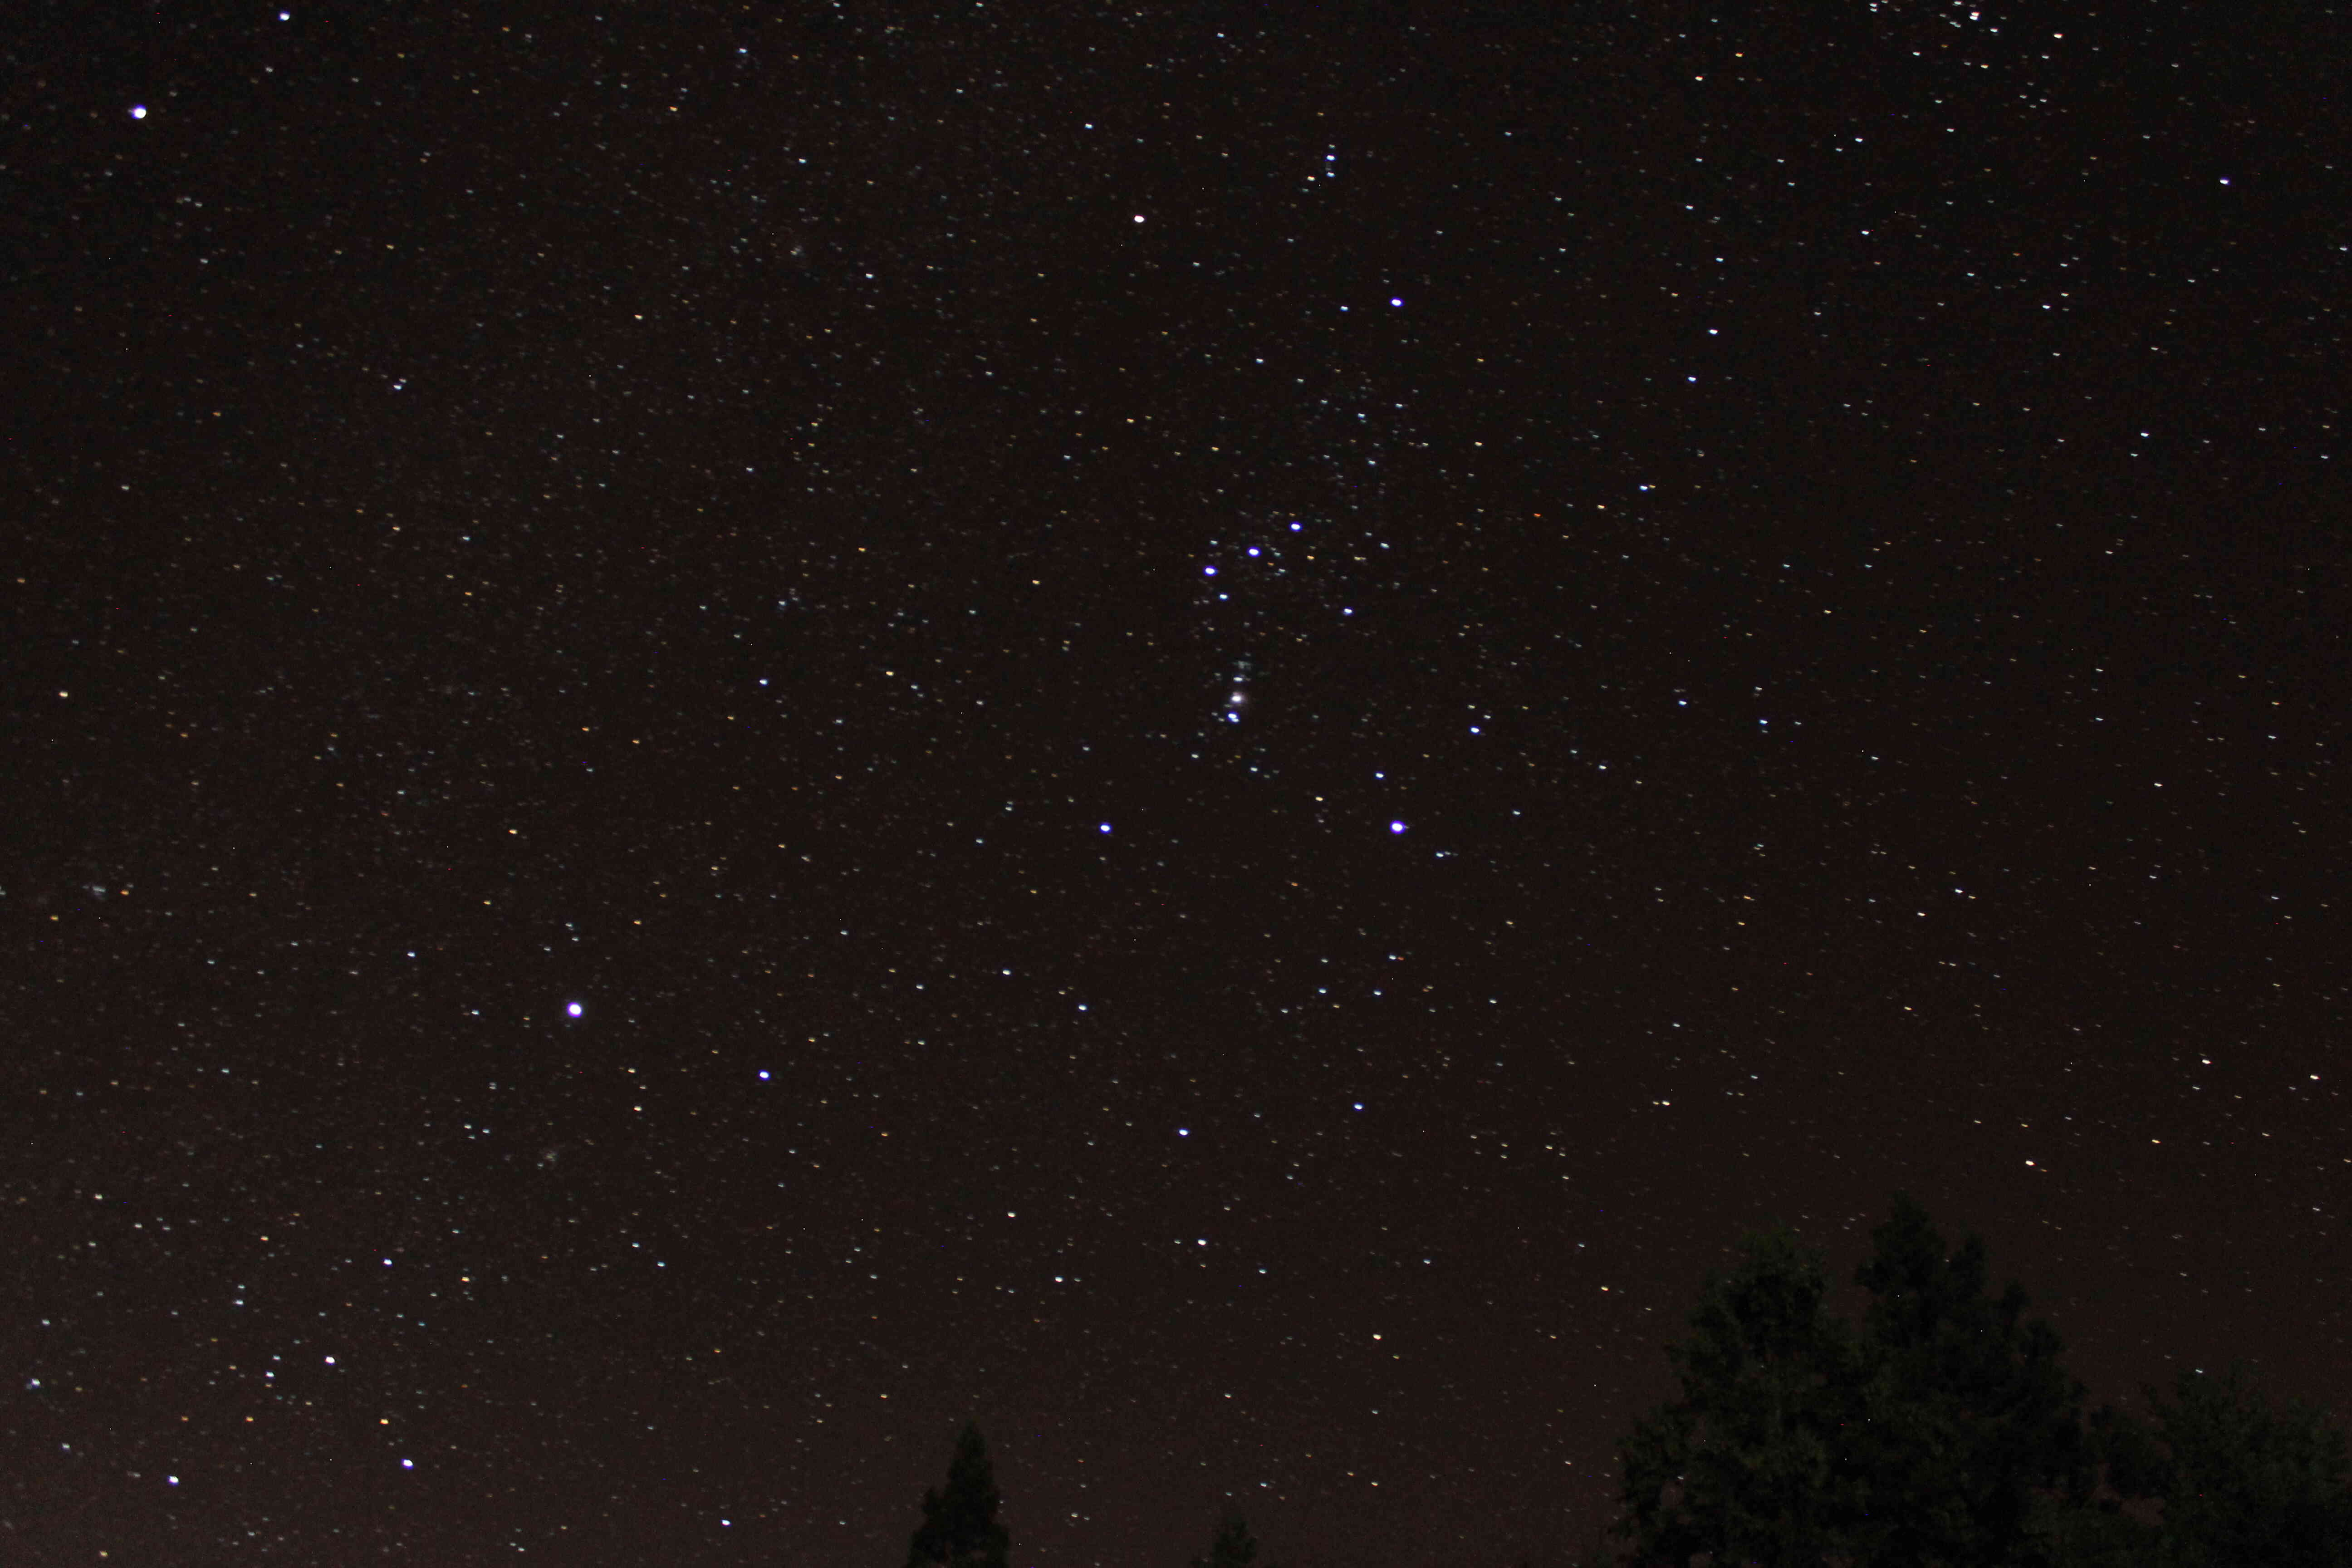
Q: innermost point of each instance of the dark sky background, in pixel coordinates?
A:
(1212, 730)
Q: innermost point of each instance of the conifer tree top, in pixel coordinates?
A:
(959, 1528)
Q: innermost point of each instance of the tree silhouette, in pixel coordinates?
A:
(1745, 1464)
(1234, 1547)
(959, 1528)
(1965, 1416)
(1933, 1436)
(2239, 1481)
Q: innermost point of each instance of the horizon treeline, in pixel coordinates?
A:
(1941, 1431)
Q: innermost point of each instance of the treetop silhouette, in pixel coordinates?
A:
(959, 1528)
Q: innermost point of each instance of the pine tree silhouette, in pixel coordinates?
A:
(1234, 1548)
(959, 1528)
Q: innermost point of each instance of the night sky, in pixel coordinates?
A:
(1213, 732)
